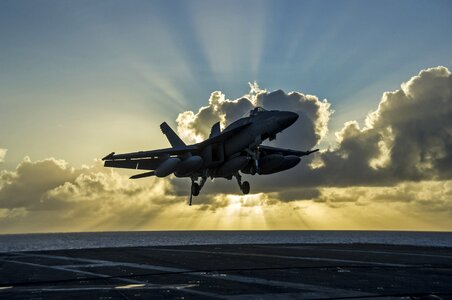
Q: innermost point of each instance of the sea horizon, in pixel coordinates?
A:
(230, 230)
(108, 239)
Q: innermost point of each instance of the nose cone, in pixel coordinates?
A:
(287, 118)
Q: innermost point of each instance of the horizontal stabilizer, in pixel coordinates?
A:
(267, 150)
(142, 175)
(172, 137)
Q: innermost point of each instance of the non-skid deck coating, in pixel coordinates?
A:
(325, 271)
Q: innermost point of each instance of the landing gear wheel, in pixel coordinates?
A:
(245, 187)
(195, 189)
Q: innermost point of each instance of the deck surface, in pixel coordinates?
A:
(322, 271)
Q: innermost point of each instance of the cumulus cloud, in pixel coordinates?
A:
(26, 185)
(393, 172)
(195, 127)
(425, 205)
(308, 131)
(55, 195)
(408, 138)
(314, 115)
(2, 154)
(63, 198)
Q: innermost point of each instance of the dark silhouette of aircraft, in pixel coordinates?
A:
(224, 154)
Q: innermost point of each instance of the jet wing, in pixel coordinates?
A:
(274, 150)
(140, 163)
(145, 160)
(152, 153)
(150, 160)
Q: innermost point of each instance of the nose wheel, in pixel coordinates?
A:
(244, 186)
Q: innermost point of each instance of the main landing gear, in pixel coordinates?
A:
(196, 188)
(244, 186)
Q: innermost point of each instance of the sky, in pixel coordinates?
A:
(371, 81)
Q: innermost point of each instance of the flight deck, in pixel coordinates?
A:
(282, 271)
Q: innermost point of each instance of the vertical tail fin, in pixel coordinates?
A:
(215, 130)
(172, 137)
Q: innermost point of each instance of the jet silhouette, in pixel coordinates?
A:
(238, 148)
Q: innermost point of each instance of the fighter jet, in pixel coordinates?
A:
(225, 154)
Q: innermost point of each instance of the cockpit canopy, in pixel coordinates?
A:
(256, 110)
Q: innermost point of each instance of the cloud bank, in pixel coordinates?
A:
(408, 138)
(53, 195)
(50, 195)
(393, 172)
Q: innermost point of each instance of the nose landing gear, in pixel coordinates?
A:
(196, 188)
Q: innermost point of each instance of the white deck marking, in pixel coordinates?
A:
(363, 251)
(282, 296)
(174, 287)
(103, 287)
(112, 264)
(60, 268)
(287, 257)
(129, 286)
(322, 290)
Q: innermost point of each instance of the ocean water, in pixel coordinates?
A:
(54, 241)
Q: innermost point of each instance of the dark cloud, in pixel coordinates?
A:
(31, 180)
(51, 195)
(402, 155)
(306, 133)
(408, 138)
(312, 124)
(94, 198)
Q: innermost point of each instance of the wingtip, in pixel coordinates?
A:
(313, 151)
(309, 152)
(109, 156)
(142, 175)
